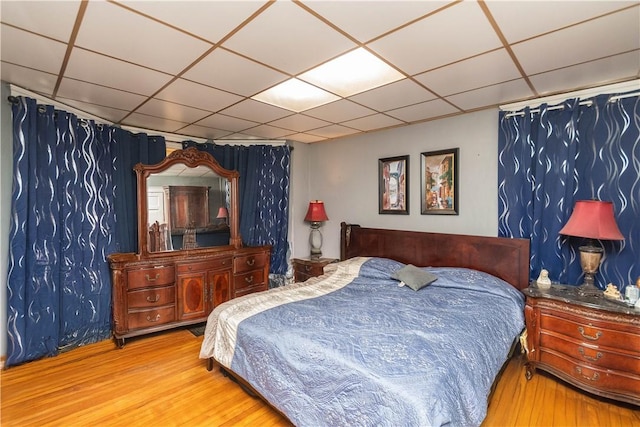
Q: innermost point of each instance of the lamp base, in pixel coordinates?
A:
(315, 241)
(590, 257)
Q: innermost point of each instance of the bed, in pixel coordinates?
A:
(359, 346)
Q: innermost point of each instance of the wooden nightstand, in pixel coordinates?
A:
(587, 341)
(306, 268)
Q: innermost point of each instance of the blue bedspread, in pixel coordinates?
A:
(375, 354)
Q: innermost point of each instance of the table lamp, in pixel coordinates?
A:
(223, 214)
(316, 215)
(593, 220)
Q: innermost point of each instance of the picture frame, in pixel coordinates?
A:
(393, 185)
(439, 182)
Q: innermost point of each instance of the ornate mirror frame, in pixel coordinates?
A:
(190, 157)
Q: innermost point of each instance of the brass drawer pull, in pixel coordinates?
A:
(589, 337)
(249, 279)
(251, 261)
(149, 279)
(149, 319)
(594, 377)
(307, 268)
(591, 358)
(156, 299)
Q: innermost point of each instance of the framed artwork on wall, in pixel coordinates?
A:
(393, 185)
(439, 189)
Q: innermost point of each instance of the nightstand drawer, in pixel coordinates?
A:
(304, 269)
(594, 378)
(593, 355)
(592, 331)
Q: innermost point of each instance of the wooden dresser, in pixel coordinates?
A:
(182, 287)
(587, 341)
(304, 269)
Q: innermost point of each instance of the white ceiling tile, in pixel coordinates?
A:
(425, 110)
(49, 18)
(172, 111)
(268, 132)
(305, 138)
(233, 73)
(333, 131)
(376, 121)
(211, 20)
(435, 41)
(299, 123)
(394, 95)
(110, 115)
(114, 31)
(616, 68)
(519, 20)
(492, 95)
(99, 95)
(198, 96)
(256, 111)
(155, 123)
(232, 124)
(574, 45)
(241, 136)
(365, 20)
(204, 132)
(99, 69)
(27, 78)
(490, 68)
(288, 38)
(29, 50)
(339, 111)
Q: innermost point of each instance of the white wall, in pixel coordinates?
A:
(344, 174)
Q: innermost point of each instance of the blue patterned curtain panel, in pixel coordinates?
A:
(549, 158)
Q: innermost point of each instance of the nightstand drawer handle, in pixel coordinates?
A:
(248, 279)
(307, 268)
(591, 358)
(594, 377)
(156, 299)
(149, 279)
(589, 337)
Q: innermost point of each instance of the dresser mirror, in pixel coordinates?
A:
(186, 202)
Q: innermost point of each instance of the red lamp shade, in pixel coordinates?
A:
(592, 219)
(316, 212)
(222, 212)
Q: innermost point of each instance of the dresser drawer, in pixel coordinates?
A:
(211, 264)
(245, 263)
(147, 277)
(252, 280)
(153, 297)
(591, 331)
(593, 377)
(152, 317)
(593, 355)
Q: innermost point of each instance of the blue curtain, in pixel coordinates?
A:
(64, 223)
(263, 191)
(553, 156)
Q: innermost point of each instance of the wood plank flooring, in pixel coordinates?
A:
(158, 380)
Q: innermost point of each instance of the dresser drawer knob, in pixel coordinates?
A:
(155, 319)
(589, 337)
(586, 356)
(149, 279)
(249, 279)
(153, 299)
(251, 261)
(594, 377)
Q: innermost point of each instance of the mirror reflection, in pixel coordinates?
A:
(187, 208)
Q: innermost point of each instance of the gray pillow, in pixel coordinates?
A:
(414, 277)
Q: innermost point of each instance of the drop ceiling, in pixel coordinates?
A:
(192, 67)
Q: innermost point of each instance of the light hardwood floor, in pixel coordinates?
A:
(158, 380)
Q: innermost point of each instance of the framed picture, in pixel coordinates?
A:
(439, 189)
(393, 184)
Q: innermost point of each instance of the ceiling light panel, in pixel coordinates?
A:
(295, 95)
(351, 73)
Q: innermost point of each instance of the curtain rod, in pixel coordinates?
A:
(587, 102)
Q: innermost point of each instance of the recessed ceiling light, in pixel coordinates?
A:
(352, 73)
(295, 95)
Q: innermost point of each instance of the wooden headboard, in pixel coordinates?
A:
(502, 257)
